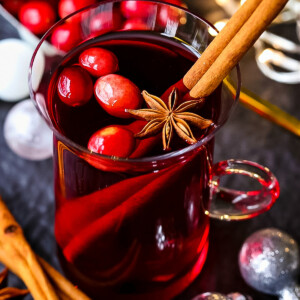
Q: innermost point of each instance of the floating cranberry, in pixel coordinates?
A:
(66, 36)
(113, 141)
(75, 86)
(37, 16)
(98, 61)
(137, 9)
(135, 24)
(116, 93)
(66, 7)
(104, 22)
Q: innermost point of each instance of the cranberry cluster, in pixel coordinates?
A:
(39, 15)
(94, 75)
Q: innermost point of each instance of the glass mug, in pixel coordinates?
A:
(138, 228)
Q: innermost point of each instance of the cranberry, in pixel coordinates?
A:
(104, 22)
(66, 7)
(116, 93)
(169, 13)
(37, 16)
(98, 61)
(75, 86)
(66, 36)
(135, 9)
(135, 24)
(113, 141)
(13, 6)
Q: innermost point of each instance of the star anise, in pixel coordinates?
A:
(168, 117)
(9, 292)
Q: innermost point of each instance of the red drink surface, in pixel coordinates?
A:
(136, 232)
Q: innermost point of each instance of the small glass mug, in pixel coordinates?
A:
(138, 228)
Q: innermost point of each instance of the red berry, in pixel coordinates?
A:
(13, 6)
(66, 36)
(37, 16)
(104, 22)
(116, 93)
(113, 141)
(136, 9)
(135, 24)
(75, 86)
(98, 61)
(66, 7)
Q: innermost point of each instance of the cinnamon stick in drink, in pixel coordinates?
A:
(219, 43)
(223, 54)
(237, 47)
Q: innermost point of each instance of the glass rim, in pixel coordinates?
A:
(155, 158)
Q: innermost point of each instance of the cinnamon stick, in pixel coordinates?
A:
(224, 52)
(64, 287)
(100, 227)
(219, 43)
(237, 47)
(17, 255)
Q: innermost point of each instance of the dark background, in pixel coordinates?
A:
(26, 186)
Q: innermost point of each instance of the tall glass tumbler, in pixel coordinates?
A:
(138, 227)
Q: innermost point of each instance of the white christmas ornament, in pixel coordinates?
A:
(15, 57)
(26, 133)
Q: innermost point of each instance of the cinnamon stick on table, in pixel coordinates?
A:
(43, 281)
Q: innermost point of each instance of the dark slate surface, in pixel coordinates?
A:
(26, 186)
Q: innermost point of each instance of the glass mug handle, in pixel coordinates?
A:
(230, 204)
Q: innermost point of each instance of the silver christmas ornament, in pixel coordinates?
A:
(26, 133)
(269, 262)
(217, 296)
